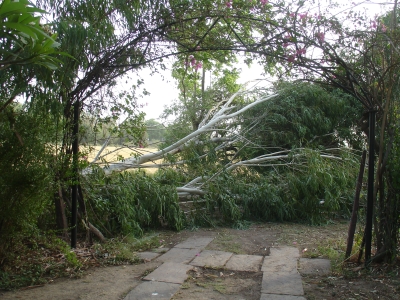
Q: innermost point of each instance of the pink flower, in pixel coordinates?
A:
(199, 65)
(291, 58)
(383, 27)
(320, 36)
(303, 16)
(373, 24)
(192, 60)
(263, 2)
(285, 45)
(299, 52)
(228, 4)
(292, 15)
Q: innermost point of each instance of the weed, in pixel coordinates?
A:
(147, 272)
(334, 250)
(185, 285)
(216, 285)
(241, 225)
(123, 250)
(36, 259)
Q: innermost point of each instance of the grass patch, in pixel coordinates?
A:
(334, 250)
(325, 241)
(216, 285)
(226, 242)
(38, 259)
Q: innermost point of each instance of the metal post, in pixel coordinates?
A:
(74, 200)
(370, 194)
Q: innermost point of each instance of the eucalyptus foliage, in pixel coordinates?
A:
(130, 202)
(303, 115)
(24, 40)
(308, 188)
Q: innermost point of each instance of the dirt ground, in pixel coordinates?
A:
(347, 281)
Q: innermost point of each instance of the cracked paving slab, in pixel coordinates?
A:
(170, 272)
(179, 255)
(153, 290)
(211, 258)
(282, 283)
(280, 297)
(195, 243)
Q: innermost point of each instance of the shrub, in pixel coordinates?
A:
(128, 202)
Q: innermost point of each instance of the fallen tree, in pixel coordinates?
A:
(209, 125)
(224, 128)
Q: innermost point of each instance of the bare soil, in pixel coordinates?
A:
(347, 280)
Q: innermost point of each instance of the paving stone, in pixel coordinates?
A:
(282, 283)
(315, 266)
(179, 255)
(211, 258)
(147, 256)
(250, 263)
(284, 252)
(195, 243)
(280, 297)
(279, 264)
(170, 272)
(153, 290)
(160, 250)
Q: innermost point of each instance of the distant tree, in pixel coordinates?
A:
(154, 130)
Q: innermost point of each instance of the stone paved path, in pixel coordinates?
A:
(281, 278)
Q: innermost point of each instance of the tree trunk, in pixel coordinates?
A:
(61, 219)
(353, 222)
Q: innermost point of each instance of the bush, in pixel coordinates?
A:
(312, 191)
(25, 175)
(128, 202)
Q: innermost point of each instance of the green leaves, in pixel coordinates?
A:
(130, 202)
(23, 40)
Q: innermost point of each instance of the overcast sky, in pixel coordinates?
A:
(163, 91)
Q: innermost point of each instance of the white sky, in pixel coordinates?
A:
(163, 91)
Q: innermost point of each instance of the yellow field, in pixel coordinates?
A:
(113, 154)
